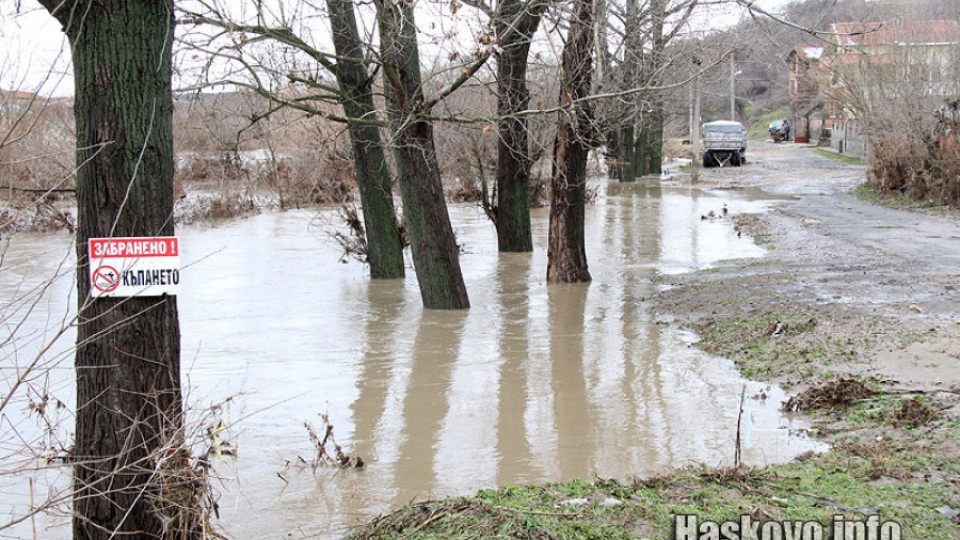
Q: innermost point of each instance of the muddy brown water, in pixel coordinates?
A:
(532, 384)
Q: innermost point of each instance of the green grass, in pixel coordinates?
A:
(838, 157)
(850, 480)
(758, 355)
(893, 199)
(758, 130)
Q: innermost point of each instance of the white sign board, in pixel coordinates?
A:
(123, 267)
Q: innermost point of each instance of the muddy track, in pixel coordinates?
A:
(881, 279)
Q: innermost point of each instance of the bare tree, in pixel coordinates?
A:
(129, 404)
(353, 91)
(516, 21)
(566, 251)
(435, 251)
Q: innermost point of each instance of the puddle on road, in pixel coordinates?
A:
(532, 384)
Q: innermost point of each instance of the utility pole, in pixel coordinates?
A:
(733, 88)
(695, 130)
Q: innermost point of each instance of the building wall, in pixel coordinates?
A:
(845, 138)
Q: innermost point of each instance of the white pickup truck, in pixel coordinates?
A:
(724, 143)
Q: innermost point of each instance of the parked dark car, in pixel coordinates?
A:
(777, 133)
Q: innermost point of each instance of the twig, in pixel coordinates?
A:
(737, 452)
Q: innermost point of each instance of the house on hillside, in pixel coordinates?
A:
(865, 65)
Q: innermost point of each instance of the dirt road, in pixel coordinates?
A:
(875, 289)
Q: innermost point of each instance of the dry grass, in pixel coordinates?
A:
(832, 395)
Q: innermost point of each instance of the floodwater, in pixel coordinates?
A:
(532, 384)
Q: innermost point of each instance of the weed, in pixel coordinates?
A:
(838, 157)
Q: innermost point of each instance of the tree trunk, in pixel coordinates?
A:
(566, 252)
(384, 245)
(629, 151)
(640, 148)
(650, 155)
(435, 251)
(626, 154)
(129, 409)
(513, 150)
(654, 140)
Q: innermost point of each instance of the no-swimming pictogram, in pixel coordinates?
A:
(106, 279)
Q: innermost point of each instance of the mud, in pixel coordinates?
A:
(859, 291)
(882, 283)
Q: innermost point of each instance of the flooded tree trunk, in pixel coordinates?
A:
(649, 153)
(435, 251)
(627, 162)
(653, 142)
(384, 245)
(640, 148)
(626, 154)
(517, 21)
(129, 406)
(566, 251)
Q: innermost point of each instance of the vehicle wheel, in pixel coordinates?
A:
(707, 160)
(735, 159)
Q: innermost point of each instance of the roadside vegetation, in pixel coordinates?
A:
(849, 160)
(897, 199)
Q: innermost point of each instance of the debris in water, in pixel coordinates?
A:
(324, 457)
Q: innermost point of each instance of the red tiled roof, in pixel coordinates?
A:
(16, 94)
(897, 33)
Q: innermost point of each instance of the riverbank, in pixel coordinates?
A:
(855, 307)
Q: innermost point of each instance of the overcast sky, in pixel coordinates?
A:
(34, 56)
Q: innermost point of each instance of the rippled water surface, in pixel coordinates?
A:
(532, 384)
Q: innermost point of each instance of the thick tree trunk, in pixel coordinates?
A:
(384, 246)
(654, 141)
(513, 150)
(626, 154)
(640, 147)
(650, 143)
(435, 251)
(129, 410)
(566, 252)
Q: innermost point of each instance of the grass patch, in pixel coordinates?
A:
(773, 344)
(838, 157)
(895, 199)
(853, 480)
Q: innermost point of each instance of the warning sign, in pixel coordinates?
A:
(123, 267)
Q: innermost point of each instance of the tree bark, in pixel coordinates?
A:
(649, 153)
(129, 406)
(384, 245)
(435, 251)
(516, 23)
(566, 252)
(627, 155)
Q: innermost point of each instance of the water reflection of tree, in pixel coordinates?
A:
(513, 296)
(426, 401)
(386, 301)
(575, 447)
